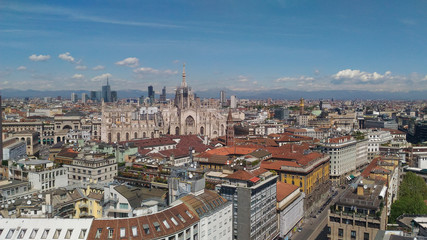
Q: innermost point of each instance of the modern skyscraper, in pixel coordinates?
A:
(106, 92)
(222, 98)
(233, 101)
(163, 95)
(93, 96)
(151, 94)
(113, 96)
(84, 97)
(74, 97)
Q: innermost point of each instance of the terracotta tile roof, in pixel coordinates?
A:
(148, 226)
(284, 189)
(339, 139)
(204, 203)
(277, 165)
(191, 141)
(246, 175)
(67, 153)
(235, 150)
(393, 131)
(152, 142)
(369, 168)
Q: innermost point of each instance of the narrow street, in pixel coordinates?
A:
(313, 226)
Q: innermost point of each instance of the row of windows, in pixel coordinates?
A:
(23, 233)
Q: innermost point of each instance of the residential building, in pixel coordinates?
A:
(11, 189)
(359, 213)
(343, 152)
(14, 149)
(214, 212)
(122, 201)
(308, 170)
(253, 195)
(290, 208)
(97, 167)
(43, 175)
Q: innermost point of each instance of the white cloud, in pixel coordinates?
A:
(360, 77)
(66, 57)
(101, 77)
(81, 67)
(290, 79)
(78, 76)
(242, 78)
(21, 68)
(39, 58)
(130, 62)
(149, 70)
(99, 67)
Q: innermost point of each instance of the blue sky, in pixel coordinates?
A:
(240, 45)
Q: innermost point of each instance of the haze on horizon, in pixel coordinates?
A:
(238, 45)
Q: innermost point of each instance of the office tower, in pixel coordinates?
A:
(222, 98)
(163, 95)
(84, 97)
(151, 94)
(233, 101)
(93, 96)
(106, 92)
(113, 96)
(73, 97)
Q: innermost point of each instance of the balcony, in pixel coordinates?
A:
(83, 205)
(83, 214)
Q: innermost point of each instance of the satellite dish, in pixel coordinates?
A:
(13, 201)
(8, 202)
(2, 206)
(190, 175)
(29, 202)
(365, 186)
(25, 197)
(40, 196)
(6, 206)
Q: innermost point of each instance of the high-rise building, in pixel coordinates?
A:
(113, 96)
(93, 96)
(163, 95)
(233, 101)
(106, 92)
(84, 97)
(74, 97)
(222, 98)
(253, 195)
(151, 94)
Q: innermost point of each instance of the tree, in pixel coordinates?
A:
(412, 192)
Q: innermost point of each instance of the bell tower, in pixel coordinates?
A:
(229, 138)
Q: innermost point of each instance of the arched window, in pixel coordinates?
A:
(144, 134)
(202, 131)
(189, 121)
(152, 134)
(177, 131)
(118, 137)
(109, 137)
(127, 136)
(135, 135)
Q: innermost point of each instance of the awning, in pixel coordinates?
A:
(254, 179)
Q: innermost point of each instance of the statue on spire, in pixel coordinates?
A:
(184, 84)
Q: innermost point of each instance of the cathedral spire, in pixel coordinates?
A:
(184, 84)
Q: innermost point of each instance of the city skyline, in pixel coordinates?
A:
(241, 46)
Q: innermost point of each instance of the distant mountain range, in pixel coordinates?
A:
(214, 93)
